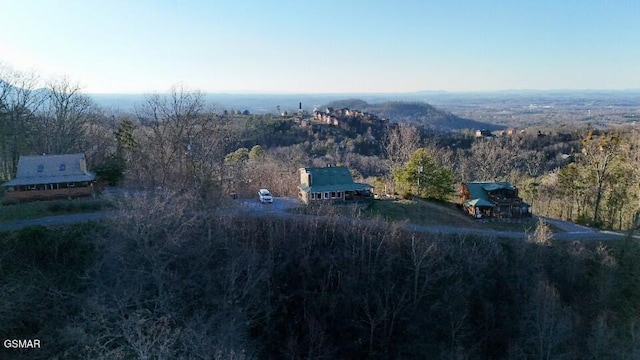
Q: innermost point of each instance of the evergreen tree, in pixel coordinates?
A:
(424, 177)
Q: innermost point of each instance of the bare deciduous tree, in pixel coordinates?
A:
(18, 102)
(172, 125)
(547, 323)
(400, 143)
(600, 156)
(542, 234)
(60, 126)
(489, 160)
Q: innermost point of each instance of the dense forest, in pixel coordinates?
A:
(161, 283)
(179, 273)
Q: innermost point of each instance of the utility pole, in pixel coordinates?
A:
(420, 169)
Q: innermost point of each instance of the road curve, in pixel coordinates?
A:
(570, 231)
(280, 208)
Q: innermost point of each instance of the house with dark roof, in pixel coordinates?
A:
(330, 184)
(492, 199)
(49, 177)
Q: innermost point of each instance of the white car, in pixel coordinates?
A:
(265, 196)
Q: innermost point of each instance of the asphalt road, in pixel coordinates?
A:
(280, 206)
(54, 220)
(570, 231)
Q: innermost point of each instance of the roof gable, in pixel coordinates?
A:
(338, 175)
(51, 165)
(497, 186)
(45, 169)
(479, 203)
(336, 178)
(480, 190)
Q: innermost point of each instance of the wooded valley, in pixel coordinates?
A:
(178, 273)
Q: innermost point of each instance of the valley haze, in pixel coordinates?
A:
(263, 103)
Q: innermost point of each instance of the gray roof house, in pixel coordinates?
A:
(47, 176)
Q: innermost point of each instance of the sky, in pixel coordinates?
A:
(329, 46)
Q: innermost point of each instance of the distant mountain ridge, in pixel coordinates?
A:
(414, 112)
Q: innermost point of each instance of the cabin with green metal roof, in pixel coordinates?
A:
(492, 199)
(332, 183)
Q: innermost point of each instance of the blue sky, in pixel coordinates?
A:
(341, 46)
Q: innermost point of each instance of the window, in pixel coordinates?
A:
(326, 195)
(40, 168)
(333, 194)
(63, 167)
(313, 196)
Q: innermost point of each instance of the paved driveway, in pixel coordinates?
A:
(280, 205)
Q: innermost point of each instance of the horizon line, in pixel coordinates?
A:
(455, 92)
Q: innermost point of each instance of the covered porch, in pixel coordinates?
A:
(355, 192)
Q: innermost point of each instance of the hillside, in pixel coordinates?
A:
(155, 274)
(419, 113)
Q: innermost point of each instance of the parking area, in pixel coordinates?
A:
(279, 205)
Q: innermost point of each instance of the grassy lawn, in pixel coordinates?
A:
(421, 212)
(411, 211)
(37, 209)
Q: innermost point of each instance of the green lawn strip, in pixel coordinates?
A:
(38, 209)
(420, 212)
